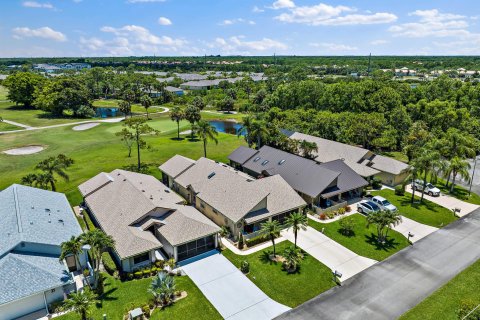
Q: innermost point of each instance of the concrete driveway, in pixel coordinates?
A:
(448, 202)
(418, 230)
(330, 253)
(230, 291)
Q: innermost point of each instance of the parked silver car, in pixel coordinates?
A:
(430, 189)
(384, 204)
(367, 206)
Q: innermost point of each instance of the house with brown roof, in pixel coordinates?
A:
(147, 220)
(230, 197)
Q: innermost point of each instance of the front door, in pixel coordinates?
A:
(71, 263)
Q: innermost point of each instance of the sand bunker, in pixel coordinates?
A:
(24, 150)
(85, 126)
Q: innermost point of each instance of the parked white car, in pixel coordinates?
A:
(384, 204)
(367, 206)
(430, 189)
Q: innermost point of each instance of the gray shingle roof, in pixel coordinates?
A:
(132, 201)
(34, 215)
(176, 165)
(242, 154)
(173, 89)
(24, 274)
(235, 194)
(347, 180)
(388, 164)
(93, 184)
(305, 176)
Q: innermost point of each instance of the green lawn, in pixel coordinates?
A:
(292, 290)
(397, 155)
(3, 93)
(428, 213)
(364, 240)
(444, 303)
(8, 127)
(120, 296)
(459, 192)
(136, 108)
(98, 149)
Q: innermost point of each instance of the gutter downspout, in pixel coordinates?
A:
(45, 301)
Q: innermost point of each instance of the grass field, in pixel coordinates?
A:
(3, 93)
(444, 303)
(136, 108)
(459, 192)
(98, 149)
(292, 290)
(364, 240)
(428, 213)
(8, 127)
(120, 296)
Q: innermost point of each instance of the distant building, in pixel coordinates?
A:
(174, 90)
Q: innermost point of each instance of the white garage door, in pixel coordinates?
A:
(22, 307)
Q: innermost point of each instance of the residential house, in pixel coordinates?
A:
(325, 185)
(34, 224)
(147, 220)
(230, 197)
(174, 90)
(364, 162)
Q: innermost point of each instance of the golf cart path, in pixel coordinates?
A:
(230, 291)
(395, 285)
(448, 202)
(330, 253)
(110, 120)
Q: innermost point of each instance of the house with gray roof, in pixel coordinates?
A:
(34, 224)
(366, 163)
(320, 185)
(147, 220)
(230, 197)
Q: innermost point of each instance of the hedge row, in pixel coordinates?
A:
(255, 240)
(88, 221)
(108, 263)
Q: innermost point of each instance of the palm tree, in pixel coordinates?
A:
(55, 165)
(424, 162)
(297, 221)
(383, 220)
(177, 115)
(71, 247)
(99, 243)
(246, 129)
(80, 302)
(460, 167)
(293, 256)
(271, 229)
(206, 132)
(394, 219)
(308, 148)
(258, 131)
(38, 180)
(146, 102)
(163, 288)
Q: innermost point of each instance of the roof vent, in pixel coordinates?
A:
(143, 190)
(31, 222)
(264, 162)
(47, 210)
(282, 161)
(256, 159)
(124, 179)
(167, 191)
(33, 207)
(211, 175)
(151, 197)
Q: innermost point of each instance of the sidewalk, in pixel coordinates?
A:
(254, 249)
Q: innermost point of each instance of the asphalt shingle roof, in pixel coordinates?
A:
(347, 180)
(242, 154)
(176, 165)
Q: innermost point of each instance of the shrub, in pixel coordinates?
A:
(88, 221)
(129, 276)
(146, 310)
(177, 293)
(160, 264)
(55, 307)
(108, 263)
(154, 271)
(347, 224)
(342, 211)
(146, 272)
(330, 214)
(348, 209)
(323, 216)
(85, 112)
(245, 267)
(240, 241)
(138, 274)
(116, 274)
(255, 240)
(86, 272)
(400, 190)
(376, 183)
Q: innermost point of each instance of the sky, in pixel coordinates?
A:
(238, 27)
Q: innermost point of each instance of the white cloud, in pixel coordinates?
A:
(44, 32)
(280, 4)
(334, 47)
(144, 1)
(228, 22)
(238, 45)
(257, 10)
(164, 21)
(131, 40)
(432, 23)
(327, 15)
(35, 4)
(378, 42)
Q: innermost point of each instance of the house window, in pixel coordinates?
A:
(264, 162)
(141, 258)
(256, 159)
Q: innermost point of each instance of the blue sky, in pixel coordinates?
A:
(246, 27)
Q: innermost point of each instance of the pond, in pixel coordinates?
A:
(226, 126)
(104, 112)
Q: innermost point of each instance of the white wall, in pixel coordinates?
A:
(22, 307)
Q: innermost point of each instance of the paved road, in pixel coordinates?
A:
(230, 291)
(330, 253)
(395, 285)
